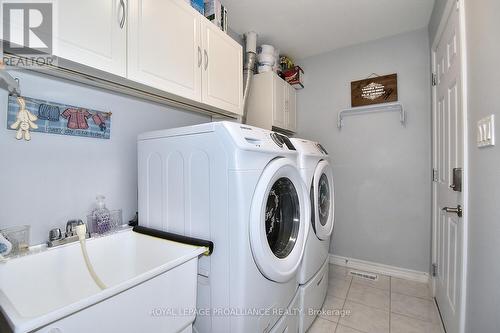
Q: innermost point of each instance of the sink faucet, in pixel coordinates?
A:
(70, 227)
(56, 237)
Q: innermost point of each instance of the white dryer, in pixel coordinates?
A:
(313, 273)
(239, 187)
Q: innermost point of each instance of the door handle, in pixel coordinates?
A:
(199, 56)
(123, 13)
(206, 59)
(458, 210)
(457, 180)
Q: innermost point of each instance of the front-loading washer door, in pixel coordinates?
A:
(279, 218)
(322, 197)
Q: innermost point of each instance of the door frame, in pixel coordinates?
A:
(451, 5)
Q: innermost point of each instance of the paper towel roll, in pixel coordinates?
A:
(251, 41)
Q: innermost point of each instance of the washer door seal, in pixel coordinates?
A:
(279, 220)
(324, 200)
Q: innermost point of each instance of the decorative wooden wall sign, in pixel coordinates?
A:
(57, 118)
(375, 90)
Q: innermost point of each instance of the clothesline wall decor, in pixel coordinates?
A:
(56, 118)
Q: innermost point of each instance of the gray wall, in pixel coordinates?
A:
(437, 12)
(381, 170)
(54, 178)
(483, 304)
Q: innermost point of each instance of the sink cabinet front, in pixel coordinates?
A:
(165, 303)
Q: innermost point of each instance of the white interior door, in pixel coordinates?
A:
(449, 146)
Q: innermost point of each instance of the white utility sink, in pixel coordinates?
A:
(151, 287)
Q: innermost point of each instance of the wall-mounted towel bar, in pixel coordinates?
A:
(176, 238)
(386, 107)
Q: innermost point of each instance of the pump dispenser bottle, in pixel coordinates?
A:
(101, 217)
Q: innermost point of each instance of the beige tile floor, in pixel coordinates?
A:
(388, 305)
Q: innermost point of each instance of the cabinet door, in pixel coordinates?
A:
(93, 33)
(164, 49)
(279, 102)
(222, 69)
(291, 108)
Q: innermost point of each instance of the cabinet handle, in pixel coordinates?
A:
(199, 56)
(123, 11)
(206, 59)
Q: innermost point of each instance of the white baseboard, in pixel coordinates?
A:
(373, 267)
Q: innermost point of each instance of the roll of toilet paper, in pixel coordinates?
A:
(268, 49)
(251, 41)
(265, 68)
(266, 59)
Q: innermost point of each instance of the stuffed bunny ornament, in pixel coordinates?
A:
(25, 121)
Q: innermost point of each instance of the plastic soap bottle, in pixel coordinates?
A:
(101, 217)
(5, 246)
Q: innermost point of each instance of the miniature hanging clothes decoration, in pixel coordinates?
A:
(48, 112)
(76, 121)
(77, 118)
(25, 121)
(100, 120)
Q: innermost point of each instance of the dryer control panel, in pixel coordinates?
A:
(308, 147)
(251, 137)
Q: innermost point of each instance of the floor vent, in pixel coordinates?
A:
(364, 275)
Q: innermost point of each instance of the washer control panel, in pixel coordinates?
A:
(277, 139)
(321, 149)
(258, 138)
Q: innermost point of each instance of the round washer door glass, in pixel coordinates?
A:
(324, 197)
(282, 217)
(324, 207)
(279, 220)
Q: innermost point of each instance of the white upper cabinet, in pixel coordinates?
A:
(93, 33)
(163, 44)
(164, 48)
(173, 48)
(291, 108)
(222, 69)
(279, 104)
(272, 103)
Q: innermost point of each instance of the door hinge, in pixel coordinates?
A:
(434, 269)
(434, 79)
(435, 175)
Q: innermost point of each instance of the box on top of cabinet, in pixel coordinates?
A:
(199, 5)
(216, 13)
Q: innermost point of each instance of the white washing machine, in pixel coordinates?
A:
(239, 187)
(313, 273)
